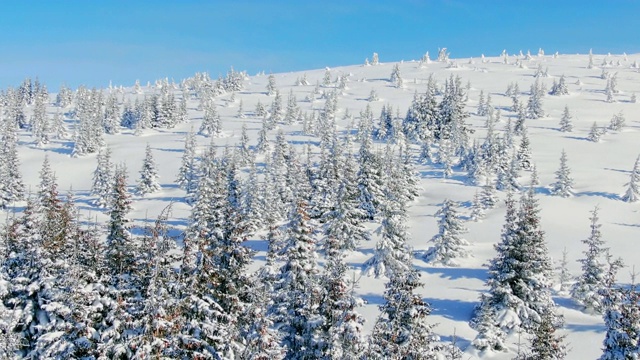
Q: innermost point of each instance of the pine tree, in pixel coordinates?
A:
(392, 253)
(344, 223)
(148, 182)
(11, 185)
(545, 343)
(632, 194)
(297, 291)
(402, 331)
(211, 121)
(188, 174)
(617, 122)
(520, 274)
(477, 209)
(103, 179)
(588, 288)
(343, 324)
(449, 244)
(565, 121)
(534, 106)
(271, 85)
(564, 183)
(594, 133)
(119, 242)
(622, 320)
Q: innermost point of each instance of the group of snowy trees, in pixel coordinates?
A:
(120, 290)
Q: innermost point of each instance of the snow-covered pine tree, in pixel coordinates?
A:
(545, 342)
(520, 274)
(477, 209)
(633, 193)
(11, 185)
(392, 252)
(275, 112)
(622, 320)
(342, 331)
(587, 290)
(27, 278)
(594, 133)
(449, 243)
(344, 223)
(564, 183)
(524, 151)
(560, 87)
(155, 326)
(206, 329)
(148, 182)
(271, 85)
(298, 292)
(481, 108)
(534, 105)
(370, 180)
(188, 173)
(103, 179)
(210, 121)
(402, 331)
(396, 78)
(565, 122)
(617, 122)
(121, 271)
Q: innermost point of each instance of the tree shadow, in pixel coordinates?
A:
(455, 273)
(452, 309)
(604, 194)
(577, 138)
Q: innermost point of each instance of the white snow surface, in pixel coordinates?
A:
(599, 170)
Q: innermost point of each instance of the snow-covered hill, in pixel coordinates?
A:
(599, 169)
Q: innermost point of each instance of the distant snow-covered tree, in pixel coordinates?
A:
(594, 133)
(564, 183)
(520, 274)
(403, 330)
(449, 243)
(534, 105)
(565, 121)
(103, 178)
(617, 122)
(589, 286)
(633, 193)
(560, 87)
(271, 85)
(148, 182)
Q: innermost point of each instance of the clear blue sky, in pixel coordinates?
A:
(91, 42)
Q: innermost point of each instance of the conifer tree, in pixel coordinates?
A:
(520, 274)
(343, 324)
(565, 121)
(622, 320)
(211, 121)
(271, 85)
(477, 209)
(392, 253)
(564, 183)
(534, 105)
(11, 185)
(298, 291)
(148, 182)
(588, 288)
(188, 172)
(633, 193)
(449, 243)
(403, 331)
(103, 179)
(594, 133)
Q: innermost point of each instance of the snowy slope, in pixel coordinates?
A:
(599, 169)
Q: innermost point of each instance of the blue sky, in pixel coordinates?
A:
(92, 42)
